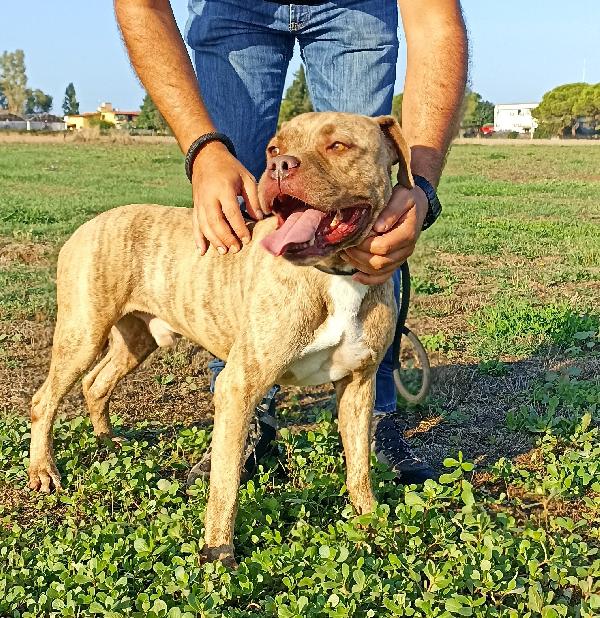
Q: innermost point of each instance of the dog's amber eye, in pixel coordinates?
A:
(338, 147)
(273, 151)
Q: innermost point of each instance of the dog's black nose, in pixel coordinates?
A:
(281, 166)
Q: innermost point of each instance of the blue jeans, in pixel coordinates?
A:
(241, 51)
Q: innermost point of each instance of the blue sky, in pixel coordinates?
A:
(520, 48)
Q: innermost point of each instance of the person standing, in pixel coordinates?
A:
(241, 51)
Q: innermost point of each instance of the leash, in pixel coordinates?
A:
(400, 331)
(420, 352)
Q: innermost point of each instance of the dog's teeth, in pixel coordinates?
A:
(311, 242)
(335, 221)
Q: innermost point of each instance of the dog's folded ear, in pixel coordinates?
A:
(398, 147)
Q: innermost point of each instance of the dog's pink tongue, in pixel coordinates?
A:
(299, 227)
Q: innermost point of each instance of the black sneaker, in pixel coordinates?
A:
(391, 448)
(260, 441)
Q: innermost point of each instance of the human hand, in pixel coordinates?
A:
(217, 180)
(395, 235)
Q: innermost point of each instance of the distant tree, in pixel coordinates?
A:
(484, 113)
(13, 80)
(476, 111)
(397, 107)
(469, 103)
(38, 102)
(150, 117)
(3, 101)
(587, 104)
(70, 103)
(563, 107)
(297, 99)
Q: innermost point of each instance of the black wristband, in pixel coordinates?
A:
(198, 144)
(435, 208)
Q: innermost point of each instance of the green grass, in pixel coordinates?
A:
(27, 291)
(124, 539)
(536, 206)
(506, 295)
(49, 190)
(519, 328)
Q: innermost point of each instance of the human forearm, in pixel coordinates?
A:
(159, 57)
(436, 73)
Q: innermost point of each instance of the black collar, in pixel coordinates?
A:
(336, 271)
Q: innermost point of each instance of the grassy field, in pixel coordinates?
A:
(507, 300)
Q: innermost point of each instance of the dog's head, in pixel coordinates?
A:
(327, 180)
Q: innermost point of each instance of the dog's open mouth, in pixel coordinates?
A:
(304, 231)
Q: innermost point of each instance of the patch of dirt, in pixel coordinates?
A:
(20, 503)
(172, 387)
(466, 411)
(470, 413)
(464, 264)
(24, 356)
(446, 314)
(140, 396)
(23, 252)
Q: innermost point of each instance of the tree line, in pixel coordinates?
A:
(562, 111)
(19, 99)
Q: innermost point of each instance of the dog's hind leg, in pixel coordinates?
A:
(130, 343)
(355, 396)
(75, 346)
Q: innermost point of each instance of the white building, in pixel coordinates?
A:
(515, 117)
(34, 122)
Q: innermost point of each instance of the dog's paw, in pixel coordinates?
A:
(43, 477)
(223, 554)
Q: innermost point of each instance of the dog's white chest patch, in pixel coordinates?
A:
(338, 347)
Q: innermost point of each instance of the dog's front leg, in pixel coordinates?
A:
(355, 397)
(235, 399)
